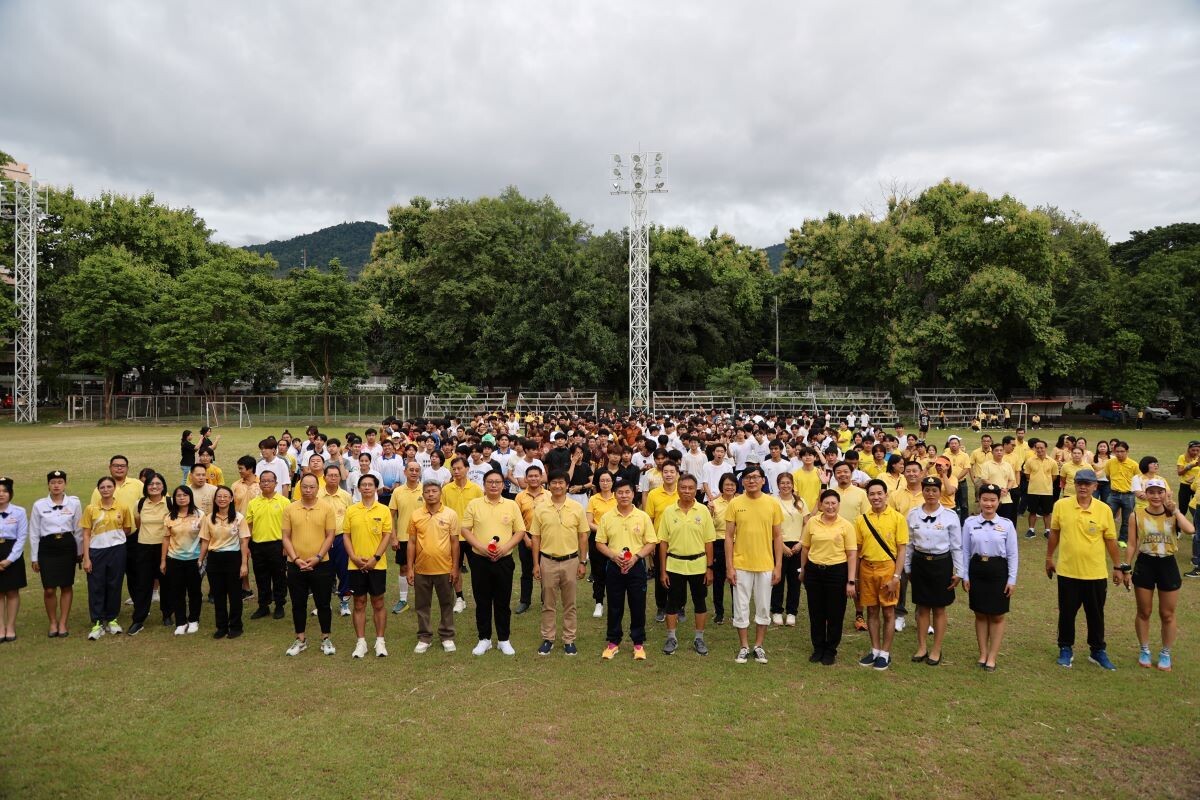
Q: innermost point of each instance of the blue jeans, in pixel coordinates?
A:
(1103, 490)
(1121, 502)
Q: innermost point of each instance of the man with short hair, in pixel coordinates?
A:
(432, 564)
(308, 528)
(1121, 470)
(271, 461)
(405, 500)
(559, 532)
(202, 490)
(1042, 472)
(853, 498)
(882, 535)
(686, 538)
(625, 536)
(367, 533)
(264, 516)
(753, 559)
(456, 495)
(493, 527)
(532, 495)
(1082, 530)
(998, 472)
(656, 501)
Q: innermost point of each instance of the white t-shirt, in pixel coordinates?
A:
(713, 475)
(441, 476)
(476, 472)
(277, 465)
(520, 466)
(773, 470)
(695, 464)
(741, 451)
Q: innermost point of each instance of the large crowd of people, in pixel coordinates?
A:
(853, 514)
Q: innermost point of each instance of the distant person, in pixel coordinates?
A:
(187, 454)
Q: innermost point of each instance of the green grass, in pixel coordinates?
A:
(155, 714)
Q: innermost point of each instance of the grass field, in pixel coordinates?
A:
(157, 715)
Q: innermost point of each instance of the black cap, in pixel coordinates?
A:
(931, 480)
(989, 488)
(55, 473)
(7, 483)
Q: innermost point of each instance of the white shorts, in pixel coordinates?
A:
(758, 585)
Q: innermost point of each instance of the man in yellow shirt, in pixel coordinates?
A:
(216, 476)
(625, 536)
(534, 494)
(998, 472)
(807, 478)
(854, 499)
(406, 499)
(456, 494)
(308, 527)
(493, 527)
(686, 538)
(1018, 455)
(1120, 470)
(367, 533)
(754, 559)
(1041, 471)
(960, 470)
(656, 501)
(432, 563)
(559, 532)
(980, 456)
(882, 535)
(264, 515)
(245, 488)
(904, 501)
(339, 500)
(1187, 467)
(129, 490)
(1082, 531)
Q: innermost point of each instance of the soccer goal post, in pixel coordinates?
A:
(218, 413)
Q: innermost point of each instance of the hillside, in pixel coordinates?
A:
(775, 255)
(350, 242)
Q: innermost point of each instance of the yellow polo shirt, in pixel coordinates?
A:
(1189, 475)
(265, 517)
(127, 494)
(1041, 472)
(633, 530)
(223, 535)
(827, 544)
(308, 526)
(874, 469)
(892, 528)
(960, 463)
(1081, 549)
(979, 457)
(807, 485)
(686, 534)
(431, 535)
(339, 501)
(457, 497)
(854, 502)
(1000, 474)
(753, 519)
(904, 500)
(720, 507)
(527, 502)
(598, 506)
(793, 520)
(501, 519)
(558, 528)
(404, 502)
(1120, 474)
(659, 500)
(366, 528)
(243, 493)
(150, 521)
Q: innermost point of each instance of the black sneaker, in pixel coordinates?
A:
(235, 633)
(522, 608)
(719, 619)
(867, 661)
(1195, 573)
(278, 612)
(1030, 534)
(220, 634)
(829, 658)
(168, 622)
(262, 611)
(570, 649)
(660, 615)
(815, 658)
(135, 629)
(546, 647)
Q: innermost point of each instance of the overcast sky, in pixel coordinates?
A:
(279, 118)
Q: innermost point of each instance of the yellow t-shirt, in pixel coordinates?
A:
(558, 528)
(1000, 474)
(854, 501)
(1189, 475)
(183, 537)
(150, 527)
(266, 518)
(720, 507)
(904, 500)
(224, 536)
(753, 519)
(1120, 474)
(1068, 469)
(1041, 472)
(659, 500)
(844, 438)
(308, 527)
(807, 485)
(431, 535)
(243, 493)
(633, 530)
(979, 457)
(1081, 551)
(216, 475)
(826, 543)
(404, 502)
(366, 529)
(499, 521)
(874, 469)
(793, 520)
(457, 498)
(598, 507)
(127, 494)
(340, 501)
(892, 528)
(686, 534)
(108, 525)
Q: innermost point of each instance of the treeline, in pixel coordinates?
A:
(950, 287)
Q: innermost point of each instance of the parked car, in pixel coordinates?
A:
(1157, 413)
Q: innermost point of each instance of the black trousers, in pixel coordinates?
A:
(270, 573)
(596, 563)
(104, 582)
(1185, 497)
(789, 586)
(629, 587)
(1009, 512)
(225, 582)
(1090, 594)
(1020, 494)
(491, 584)
(317, 581)
(660, 591)
(141, 568)
(183, 584)
(526, 554)
(826, 587)
(718, 584)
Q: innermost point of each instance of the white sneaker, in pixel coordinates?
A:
(193, 627)
(360, 649)
(96, 632)
(155, 597)
(314, 612)
(298, 647)
(506, 648)
(790, 621)
(422, 647)
(481, 648)
(129, 601)
(181, 630)
(777, 619)
(380, 647)
(327, 648)
(344, 610)
(460, 605)
(114, 628)
(899, 624)
(931, 630)
(449, 646)
(599, 612)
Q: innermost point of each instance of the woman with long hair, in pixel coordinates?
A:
(187, 454)
(1103, 453)
(180, 561)
(785, 595)
(225, 553)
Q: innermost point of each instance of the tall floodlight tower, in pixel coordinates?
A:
(25, 204)
(637, 175)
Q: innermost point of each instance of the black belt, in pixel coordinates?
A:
(692, 557)
(978, 557)
(933, 556)
(561, 558)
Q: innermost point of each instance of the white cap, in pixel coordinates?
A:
(1156, 483)
(953, 437)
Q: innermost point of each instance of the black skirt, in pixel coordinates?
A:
(930, 581)
(56, 561)
(988, 579)
(13, 577)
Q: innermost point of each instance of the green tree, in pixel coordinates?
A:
(108, 317)
(736, 380)
(327, 324)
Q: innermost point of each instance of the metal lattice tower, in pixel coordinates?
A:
(642, 174)
(24, 203)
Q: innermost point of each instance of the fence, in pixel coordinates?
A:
(263, 409)
(557, 403)
(685, 403)
(464, 405)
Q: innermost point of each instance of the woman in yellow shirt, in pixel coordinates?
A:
(728, 488)
(1066, 475)
(598, 505)
(1098, 461)
(795, 514)
(1153, 535)
(105, 524)
(893, 476)
(180, 562)
(828, 566)
(225, 552)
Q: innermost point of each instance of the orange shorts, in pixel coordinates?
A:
(873, 578)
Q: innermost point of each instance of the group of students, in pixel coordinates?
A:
(767, 506)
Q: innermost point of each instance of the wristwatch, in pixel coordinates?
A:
(709, 566)
(1123, 568)
(850, 582)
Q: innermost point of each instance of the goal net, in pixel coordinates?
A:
(226, 412)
